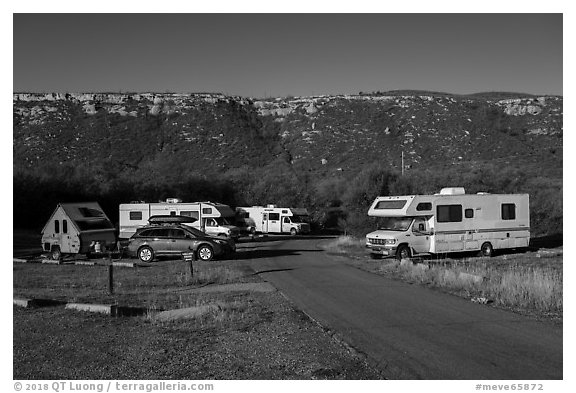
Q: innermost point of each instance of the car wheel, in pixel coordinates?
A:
(487, 250)
(252, 231)
(145, 254)
(205, 253)
(56, 254)
(293, 231)
(403, 252)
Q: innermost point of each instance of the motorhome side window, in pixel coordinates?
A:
(399, 204)
(135, 216)
(508, 211)
(207, 210)
(64, 226)
(469, 213)
(449, 213)
(423, 206)
(189, 213)
(274, 216)
(56, 226)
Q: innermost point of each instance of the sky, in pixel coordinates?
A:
(278, 55)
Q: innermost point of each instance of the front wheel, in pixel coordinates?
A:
(487, 250)
(146, 254)
(293, 231)
(403, 252)
(205, 253)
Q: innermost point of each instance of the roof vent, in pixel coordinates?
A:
(173, 200)
(452, 191)
(271, 206)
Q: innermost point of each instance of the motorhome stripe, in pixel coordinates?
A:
(482, 231)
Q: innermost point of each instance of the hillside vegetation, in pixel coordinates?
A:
(331, 154)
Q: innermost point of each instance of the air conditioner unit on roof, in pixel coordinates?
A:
(452, 191)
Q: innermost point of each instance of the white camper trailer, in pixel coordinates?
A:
(451, 221)
(212, 218)
(78, 228)
(272, 219)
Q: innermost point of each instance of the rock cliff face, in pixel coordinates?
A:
(212, 133)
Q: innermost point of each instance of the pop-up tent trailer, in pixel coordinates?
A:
(78, 228)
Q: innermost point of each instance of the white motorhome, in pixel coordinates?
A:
(451, 221)
(212, 218)
(273, 219)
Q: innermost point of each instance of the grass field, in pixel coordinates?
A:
(163, 285)
(529, 282)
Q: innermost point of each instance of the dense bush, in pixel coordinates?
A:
(338, 202)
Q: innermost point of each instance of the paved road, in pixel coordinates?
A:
(411, 332)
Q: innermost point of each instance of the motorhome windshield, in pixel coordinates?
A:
(394, 223)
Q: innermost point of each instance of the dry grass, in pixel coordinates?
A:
(530, 281)
(164, 285)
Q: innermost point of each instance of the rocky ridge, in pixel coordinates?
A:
(340, 132)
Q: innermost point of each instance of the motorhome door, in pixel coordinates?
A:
(274, 223)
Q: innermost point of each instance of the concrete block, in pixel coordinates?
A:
(26, 303)
(84, 263)
(98, 308)
(124, 264)
(51, 261)
(187, 313)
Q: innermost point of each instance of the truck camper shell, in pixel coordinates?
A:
(450, 221)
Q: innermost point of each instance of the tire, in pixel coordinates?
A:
(487, 250)
(403, 252)
(253, 231)
(293, 232)
(145, 254)
(55, 253)
(205, 253)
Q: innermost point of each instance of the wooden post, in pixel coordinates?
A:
(111, 278)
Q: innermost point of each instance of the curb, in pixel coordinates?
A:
(108, 309)
(85, 263)
(124, 264)
(98, 308)
(26, 303)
